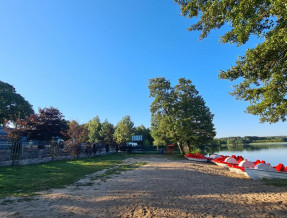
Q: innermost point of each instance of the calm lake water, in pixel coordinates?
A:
(271, 153)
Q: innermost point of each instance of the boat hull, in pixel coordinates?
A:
(220, 164)
(196, 159)
(239, 171)
(256, 174)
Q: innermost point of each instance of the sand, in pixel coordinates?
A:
(162, 188)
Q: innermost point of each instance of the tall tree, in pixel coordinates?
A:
(158, 130)
(107, 133)
(179, 114)
(94, 128)
(262, 70)
(74, 130)
(78, 132)
(84, 133)
(161, 91)
(124, 130)
(77, 135)
(12, 104)
(193, 118)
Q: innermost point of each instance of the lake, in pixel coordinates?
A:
(272, 153)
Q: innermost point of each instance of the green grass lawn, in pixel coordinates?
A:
(26, 180)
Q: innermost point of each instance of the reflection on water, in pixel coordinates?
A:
(271, 153)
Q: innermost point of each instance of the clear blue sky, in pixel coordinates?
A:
(92, 57)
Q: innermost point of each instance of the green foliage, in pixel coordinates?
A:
(107, 133)
(12, 104)
(248, 140)
(145, 132)
(161, 91)
(235, 141)
(262, 70)
(196, 150)
(158, 130)
(124, 130)
(146, 142)
(218, 141)
(270, 139)
(94, 128)
(179, 114)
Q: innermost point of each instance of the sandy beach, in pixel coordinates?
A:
(163, 187)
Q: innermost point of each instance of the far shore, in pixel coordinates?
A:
(269, 143)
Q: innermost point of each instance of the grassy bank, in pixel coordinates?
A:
(26, 180)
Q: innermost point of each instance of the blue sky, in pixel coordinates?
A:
(92, 57)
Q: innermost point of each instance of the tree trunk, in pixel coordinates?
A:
(189, 147)
(180, 148)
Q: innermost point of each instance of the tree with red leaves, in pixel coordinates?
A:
(45, 125)
(77, 135)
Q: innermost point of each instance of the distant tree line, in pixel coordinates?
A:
(247, 140)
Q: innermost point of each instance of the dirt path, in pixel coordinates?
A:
(161, 188)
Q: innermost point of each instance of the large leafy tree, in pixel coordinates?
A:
(262, 71)
(94, 128)
(179, 114)
(45, 125)
(12, 104)
(161, 119)
(124, 130)
(107, 133)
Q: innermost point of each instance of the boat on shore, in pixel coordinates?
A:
(224, 161)
(265, 171)
(254, 170)
(265, 174)
(240, 168)
(196, 157)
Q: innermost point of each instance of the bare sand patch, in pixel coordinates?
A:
(161, 188)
